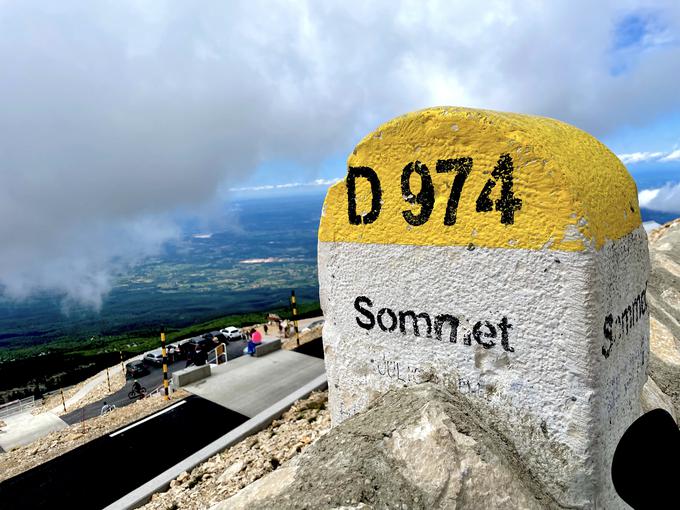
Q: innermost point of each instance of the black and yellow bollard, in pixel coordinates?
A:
(63, 402)
(165, 364)
(295, 321)
(108, 379)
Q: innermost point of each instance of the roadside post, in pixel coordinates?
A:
(122, 365)
(295, 321)
(63, 402)
(108, 379)
(165, 364)
(501, 256)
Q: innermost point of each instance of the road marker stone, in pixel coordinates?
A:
(503, 256)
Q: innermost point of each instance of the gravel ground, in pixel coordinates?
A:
(307, 336)
(98, 392)
(226, 473)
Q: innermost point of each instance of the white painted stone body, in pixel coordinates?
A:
(562, 403)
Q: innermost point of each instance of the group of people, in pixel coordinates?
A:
(254, 338)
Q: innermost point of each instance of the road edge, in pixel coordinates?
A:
(258, 422)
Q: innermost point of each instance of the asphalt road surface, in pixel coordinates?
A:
(313, 348)
(102, 471)
(150, 382)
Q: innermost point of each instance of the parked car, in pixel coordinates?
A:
(205, 343)
(231, 333)
(154, 357)
(312, 325)
(136, 369)
(184, 349)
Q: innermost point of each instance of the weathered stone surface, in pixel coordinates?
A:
(419, 447)
(530, 299)
(664, 302)
(653, 398)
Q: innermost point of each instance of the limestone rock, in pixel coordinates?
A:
(231, 471)
(653, 398)
(416, 447)
(663, 296)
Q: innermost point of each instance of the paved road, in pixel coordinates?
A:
(250, 385)
(150, 382)
(102, 471)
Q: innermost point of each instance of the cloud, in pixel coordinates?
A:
(115, 114)
(268, 187)
(665, 199)
(639, 157)
(642, 157)
(672, 156)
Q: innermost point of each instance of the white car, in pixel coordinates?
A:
(231, 333)
(154, 357)
(313, 325)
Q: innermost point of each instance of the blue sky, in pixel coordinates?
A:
(121, 117)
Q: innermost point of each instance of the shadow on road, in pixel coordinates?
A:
(107, 468)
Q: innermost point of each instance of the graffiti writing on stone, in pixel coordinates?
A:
(617, 326)
(402, 372)
(467, 387)
(443, 327)
(506, 204)
(622, 381)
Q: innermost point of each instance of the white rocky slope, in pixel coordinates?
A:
(663, 296)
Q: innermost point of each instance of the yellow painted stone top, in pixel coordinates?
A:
(457, 176)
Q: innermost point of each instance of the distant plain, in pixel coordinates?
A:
(228, 272)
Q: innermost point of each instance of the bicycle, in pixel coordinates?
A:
(137, 394)
(107, 409)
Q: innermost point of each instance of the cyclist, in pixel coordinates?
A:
(136, 387)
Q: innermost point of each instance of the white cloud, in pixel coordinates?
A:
(665, 199)
(650, 225)
(115, 113)
(638, 157)
(268, 187)
(672, 156)
(646, 196)
(641, 157)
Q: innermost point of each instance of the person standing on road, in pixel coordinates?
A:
(200, 357)
(190, 357)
